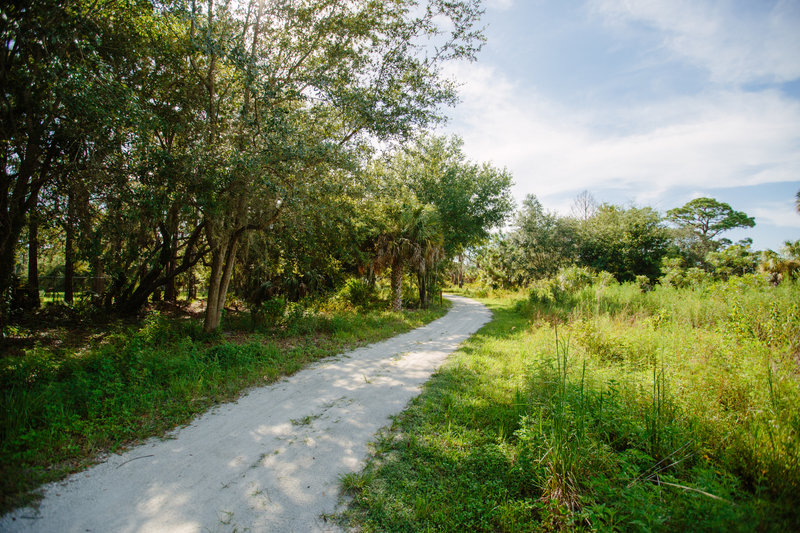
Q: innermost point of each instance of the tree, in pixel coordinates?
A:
(584, 206)
(734, 260)
(797, 201)
(625, 242)
(461, 201)
(294, 90)
(544, 242)
(707, 218)
(56, 77)
(777, 268)
(470, 198)
(166, 133)
(410, 235)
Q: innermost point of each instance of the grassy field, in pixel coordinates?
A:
(63, 402)
(603, 408)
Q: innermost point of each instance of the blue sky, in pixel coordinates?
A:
(641, 103)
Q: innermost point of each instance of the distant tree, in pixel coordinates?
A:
(778, 268)
(584, 206)
(708, 217)
(543, 241)
(797, 201)
(625, 242)
(410, 237)
(699, 222)
(468, 199)
(734, 260)
(791, 249)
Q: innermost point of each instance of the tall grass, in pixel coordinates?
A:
(611, 409)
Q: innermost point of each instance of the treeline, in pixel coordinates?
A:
(158, 147)
(631, 243)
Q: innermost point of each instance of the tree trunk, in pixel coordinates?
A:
(222, 261)
(98, 281)
(69, 260)
(423, 290)
(191, 285)
(397, 284)
(18, 196)
(32, 301)
(131, 300)
(6, 281)
(170, 293)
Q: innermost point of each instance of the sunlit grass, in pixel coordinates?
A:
(607, 409)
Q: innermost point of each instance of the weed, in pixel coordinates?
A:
(305, 421)
(670, 409)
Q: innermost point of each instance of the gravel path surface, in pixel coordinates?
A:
(270, 461)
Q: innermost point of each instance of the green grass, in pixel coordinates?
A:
(61, 407)
(603, 409)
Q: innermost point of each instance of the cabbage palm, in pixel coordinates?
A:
(412, 237)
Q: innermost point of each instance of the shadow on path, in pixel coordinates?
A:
(270, 461)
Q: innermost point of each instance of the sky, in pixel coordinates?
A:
(641, 103)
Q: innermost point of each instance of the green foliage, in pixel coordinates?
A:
(734, 260)
(60, 408)
(269, 312)
(431, 204)
(161, 134)
(709, 217)
(674, 272)
(544, 241)
(625, 242)
(358, 293)
(672, 409)
(470, 198)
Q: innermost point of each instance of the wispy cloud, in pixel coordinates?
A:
(499, 4)
(733, 43)
(718, 139)
(783, 215)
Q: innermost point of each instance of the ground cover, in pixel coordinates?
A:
(67, 399)
(598, 406)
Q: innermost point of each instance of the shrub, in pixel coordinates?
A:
(269, 312)
(572, 279)
(357, 292)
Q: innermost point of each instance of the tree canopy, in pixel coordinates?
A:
(707, 217)
(168, 132)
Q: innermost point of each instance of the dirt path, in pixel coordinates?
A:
(270, 461)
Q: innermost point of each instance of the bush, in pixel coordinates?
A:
(357, 292)
(268, 313)
(572, 279)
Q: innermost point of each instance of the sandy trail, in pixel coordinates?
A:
(270, 461)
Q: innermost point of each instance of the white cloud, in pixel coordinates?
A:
(499, 4)
(783, 215)
(713, 140)
(737, 44)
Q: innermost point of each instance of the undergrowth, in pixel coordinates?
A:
(603, 408)
(60, 407)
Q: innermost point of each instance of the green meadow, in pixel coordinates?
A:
(598, 406)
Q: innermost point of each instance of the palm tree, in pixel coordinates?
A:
(425, 232)
(797, 201)
(411, 236)
(778, 268)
